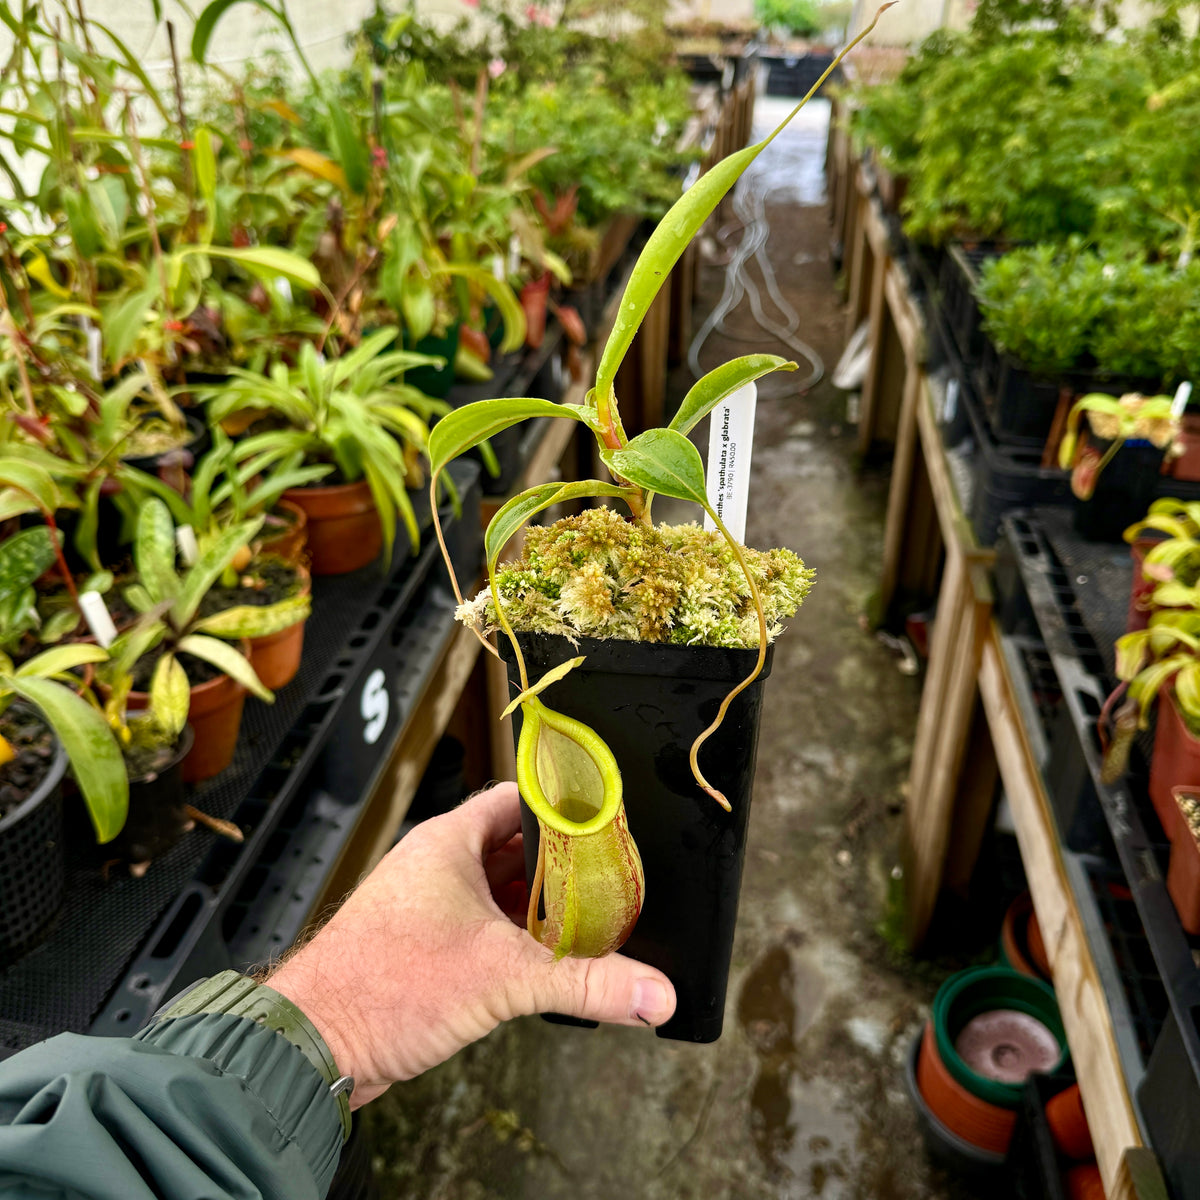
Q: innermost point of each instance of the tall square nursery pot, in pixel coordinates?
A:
(649, 701)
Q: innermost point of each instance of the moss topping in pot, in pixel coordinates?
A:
(598, 575)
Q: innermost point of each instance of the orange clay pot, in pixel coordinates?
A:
(1014, 935)
(984, 1125)
(215, 715)
(291, 544)
(275, 657)
(1068, 1124)
(344, 531)
(1175, 762)
(1037, 947)
(1183, 874)
(1085, 1183)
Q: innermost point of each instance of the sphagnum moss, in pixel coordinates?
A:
(599, 575)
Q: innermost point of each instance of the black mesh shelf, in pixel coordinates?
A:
(1077, 594)
(122, 943)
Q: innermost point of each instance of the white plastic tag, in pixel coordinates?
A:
(92, 333)
(185, 539)
(283, 289)
(97, 616)
(730, 444)
(514, 254)
(1183, 393)
(498, 267)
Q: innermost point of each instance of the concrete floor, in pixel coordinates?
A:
(803, 1095)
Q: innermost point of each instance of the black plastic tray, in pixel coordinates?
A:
(121, 945)
(1078, 593)
(796, 76)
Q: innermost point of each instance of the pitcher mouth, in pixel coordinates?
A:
(540, 721)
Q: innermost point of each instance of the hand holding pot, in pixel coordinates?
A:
(422, 959)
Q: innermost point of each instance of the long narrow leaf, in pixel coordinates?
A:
(231, 661)
(465, 427)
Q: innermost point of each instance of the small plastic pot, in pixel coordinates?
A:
(1183, 874)
(984, 1125)
(32, 867)
(290, 544)
(275, 657)
(1069, 1125)
(1124, 490)
(156, 819)
(1174, 763)
(344, 530)
(215, 715)
(989, 989)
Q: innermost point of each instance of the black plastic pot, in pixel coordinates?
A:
(1124, 491)
(32, 871)
(156, 818)
(196, 445)
(649, 701)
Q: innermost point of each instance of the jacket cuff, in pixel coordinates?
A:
(274, 1070)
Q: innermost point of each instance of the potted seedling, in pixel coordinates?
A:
(1162, 663)
(182, 665)
(44, 726)
(1165, 548)
(352, 413)
(1116, 462)
(668, 694)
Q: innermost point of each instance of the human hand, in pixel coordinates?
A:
(421, 959)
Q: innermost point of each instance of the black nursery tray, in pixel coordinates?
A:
(122, 945)
(1075, 594)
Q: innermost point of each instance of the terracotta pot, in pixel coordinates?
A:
(291, 544)
(1069, 1125)
(344, 531)
(1085, 1183)
(1037, 947)
(1014, 935)
(985, 1125)
(535, 296)
(1175, 762)
(215, 715)
(1187, 465)
(275, 657)
(1183, 875)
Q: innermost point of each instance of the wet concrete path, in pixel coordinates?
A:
(803, 1096)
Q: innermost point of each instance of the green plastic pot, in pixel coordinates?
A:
(983, 989)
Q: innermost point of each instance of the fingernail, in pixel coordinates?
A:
(652, 1001)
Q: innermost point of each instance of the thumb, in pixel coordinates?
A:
(614, 989)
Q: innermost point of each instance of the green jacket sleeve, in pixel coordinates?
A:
(200, 1107)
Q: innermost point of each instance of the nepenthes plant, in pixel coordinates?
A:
(589, 880)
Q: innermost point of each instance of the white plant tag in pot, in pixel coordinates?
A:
(730, 444)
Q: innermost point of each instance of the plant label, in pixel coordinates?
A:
(950, 404)
(498, 268)
(185, 539)
(730, 444)
(98, 618)
(514, 254)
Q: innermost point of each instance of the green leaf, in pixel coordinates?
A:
(91, 747)
(249, 621)
(206, 22)
(663, 461)
(526, 505)
(231, 661)
(721, 383)
(124, 321)
(505, 300)
(24, 557)
(31, 481)
(1131, 653)
(1187, 689)
(269, 261)
(204, 164)
(208, 567)
(662, 251)
(58, 626)
(458, 431)
(170, 695)
(551, 676)
(154, 551)
(350, 149)
(59, 659)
